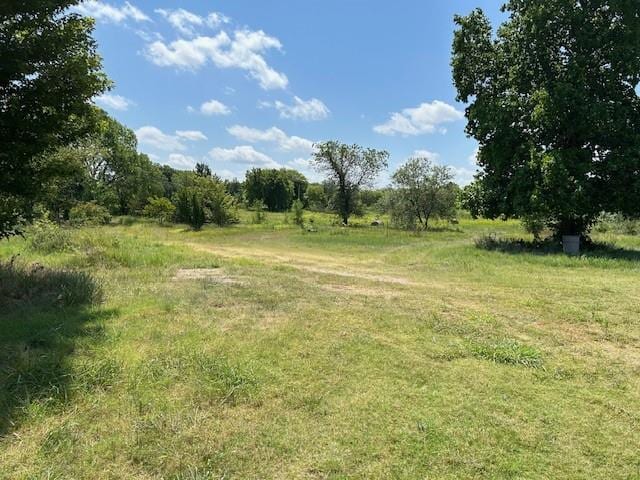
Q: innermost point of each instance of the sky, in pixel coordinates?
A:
(239, 84)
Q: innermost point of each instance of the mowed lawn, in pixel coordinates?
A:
(266, 351)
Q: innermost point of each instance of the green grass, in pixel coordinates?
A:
(341, 353)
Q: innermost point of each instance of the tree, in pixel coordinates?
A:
(316, 198)
(160, 208)
(203, 170)
(423, 191)
(50, 71)
(350, 167)
(108, 168)
(275, 188)
(553, 106)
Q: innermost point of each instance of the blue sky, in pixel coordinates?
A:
(244, 83)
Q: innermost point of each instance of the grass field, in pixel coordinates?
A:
(266, 351)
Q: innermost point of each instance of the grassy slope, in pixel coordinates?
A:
(353, 353)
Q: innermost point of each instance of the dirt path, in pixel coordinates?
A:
(312, 263)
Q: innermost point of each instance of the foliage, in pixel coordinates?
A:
(203, 170)
(160, 208)
(50, 71)
(350, 168)
(617, 223)
(201, 200)
(533, 225)
(298, 212)
(275, 188)
(370, 197)
(316, 198)
(258, 216)
(422, 191)
(44, 236)
(89, 213)
(553, 106)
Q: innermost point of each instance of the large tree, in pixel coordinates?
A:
(350, 167)
(552, 102)
(49, 71)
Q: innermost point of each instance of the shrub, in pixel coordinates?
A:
(608, 222)
(44, 236)
(89, 213)
(202, 200)
(160, 208)
(257, 208)
(298, 212)
(534, 225)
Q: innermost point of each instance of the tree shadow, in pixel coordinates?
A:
(43, 312)
(589, 249)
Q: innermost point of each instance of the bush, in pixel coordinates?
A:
(44, 236)
(160, 208)
(534, 225)
(257, 208)
(201, 200)
(615, 223)
(89, 213)
(298, 212)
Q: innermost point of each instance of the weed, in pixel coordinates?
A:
(508, 352)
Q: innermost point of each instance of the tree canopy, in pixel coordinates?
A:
(350, 167)
(552, 103)
(50, 71)
(422, 191)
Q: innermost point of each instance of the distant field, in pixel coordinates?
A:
(267, 351)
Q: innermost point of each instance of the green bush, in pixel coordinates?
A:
(298, 212)
(203, 200)
(257, 207)
(160, 208)
(89, 213)
(44, 236)
(615, 223)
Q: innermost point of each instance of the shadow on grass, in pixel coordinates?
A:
(551, 247)
(43, 312)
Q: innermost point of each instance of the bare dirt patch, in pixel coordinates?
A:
(216, 275)
(360, 291)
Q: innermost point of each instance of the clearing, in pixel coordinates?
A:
(265, 351)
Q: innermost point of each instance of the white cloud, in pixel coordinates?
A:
(245, 155)
(104, 12)
(215, 19)
(244, 52)
(214, 107)
(181, 162)
(426, 118)
(187, 22)
(193, 135)
(473, 158)
(312, 109)
(434, 157)
(154, 137)
(115, 102)
(463, 175)
(272, 135)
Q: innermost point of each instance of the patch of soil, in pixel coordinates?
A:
(216, 275)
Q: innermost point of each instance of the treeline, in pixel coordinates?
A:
(103, 174)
